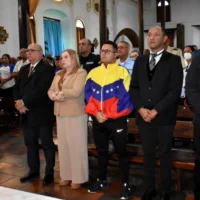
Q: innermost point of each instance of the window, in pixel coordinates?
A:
(53, 38)
(167, 17)
(80, 31)
(166, 3)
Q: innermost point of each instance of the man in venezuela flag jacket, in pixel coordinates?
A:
(108, 101)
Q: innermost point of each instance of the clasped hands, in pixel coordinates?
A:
(147, 115)
(100, 116)
(57, 96)
(19, 105)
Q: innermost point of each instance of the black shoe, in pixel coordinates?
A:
(125, 192)
(149, 194)
(49, 178)
(28, 177)
(164, 196)
(98, 185)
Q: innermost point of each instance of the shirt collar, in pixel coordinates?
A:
(26, 61)
(159, 52)
(126, 61)
(34, 64)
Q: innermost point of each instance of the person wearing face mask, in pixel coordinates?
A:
(188, 51)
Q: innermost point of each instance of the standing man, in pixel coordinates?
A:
(155, 90)
(123, 54)
(193, 95)
(22, 62)
(30, 94)
(87, 59)
(108, 101)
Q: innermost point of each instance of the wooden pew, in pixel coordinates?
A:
(179, 163)
(183, 129)
(185, 113)
(8, 114)
(182, 160)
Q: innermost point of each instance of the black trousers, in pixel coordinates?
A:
(116, 130)
(31, 137)
(8, 93)
(197, 161)
(151, 138)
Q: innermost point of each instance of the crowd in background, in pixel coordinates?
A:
(109, 87)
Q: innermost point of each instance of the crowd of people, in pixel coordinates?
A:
(108, 87)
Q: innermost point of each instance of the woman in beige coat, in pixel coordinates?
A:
(67, 92)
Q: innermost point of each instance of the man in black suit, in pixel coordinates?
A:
(155, 91)
(193, 95)
(30, 94)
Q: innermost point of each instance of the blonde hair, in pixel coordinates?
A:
(75, 63)
(74, 59)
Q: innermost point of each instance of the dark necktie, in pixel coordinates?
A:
(152, 62)
(30, 70)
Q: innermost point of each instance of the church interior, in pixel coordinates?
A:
(23, 22)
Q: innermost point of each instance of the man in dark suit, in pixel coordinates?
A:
(193, 95)
(30, 94)
(155, 91)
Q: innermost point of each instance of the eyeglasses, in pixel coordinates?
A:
(32, 50)
(106, 51)
(120, 47)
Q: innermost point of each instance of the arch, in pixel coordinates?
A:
(54, 13)
(80, 30)
(130, 34)
(64, 22)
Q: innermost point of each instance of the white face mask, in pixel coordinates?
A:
(187, 56)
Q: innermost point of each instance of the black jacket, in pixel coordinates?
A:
(162, 92)
(90, 62)
(33, 91)
(193, 87)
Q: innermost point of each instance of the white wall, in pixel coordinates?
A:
(187, 13)
(122, 15)
(9, 20)
(182, 11)
(41, 12)
(127, 17)
(90, 19)
(76, 11)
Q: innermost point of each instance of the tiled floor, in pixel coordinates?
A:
(13, 166)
